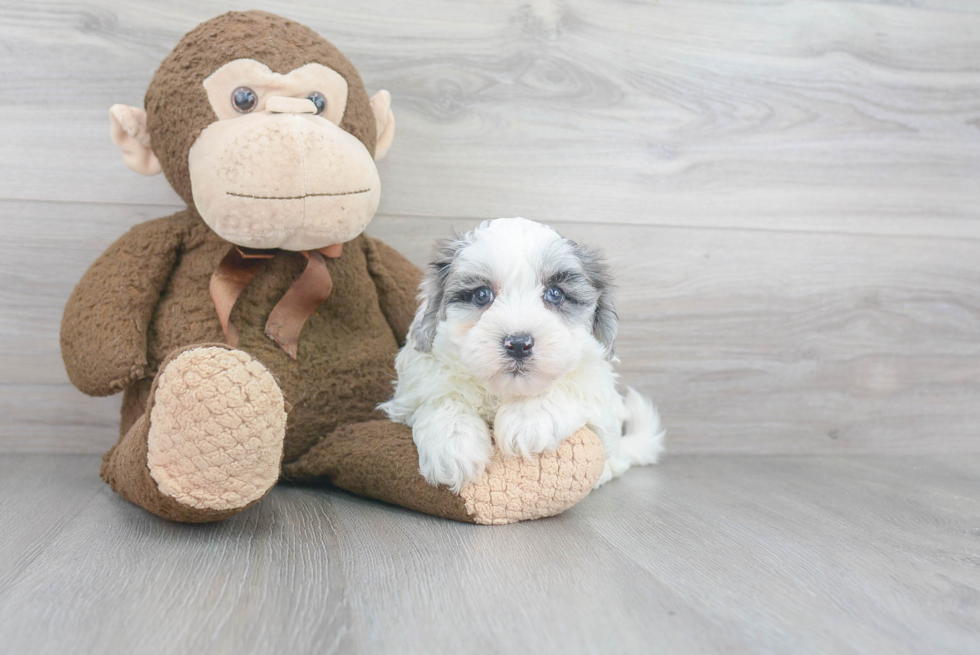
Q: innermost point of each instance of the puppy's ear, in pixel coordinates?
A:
(605, 322)
(431, 294)
(606, 325)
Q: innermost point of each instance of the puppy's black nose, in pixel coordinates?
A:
(518, 346)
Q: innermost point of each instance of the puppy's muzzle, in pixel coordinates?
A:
(518, 346)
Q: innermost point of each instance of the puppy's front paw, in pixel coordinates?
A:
(519, 429)
(453, 453)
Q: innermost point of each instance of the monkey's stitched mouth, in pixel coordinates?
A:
(308, 195)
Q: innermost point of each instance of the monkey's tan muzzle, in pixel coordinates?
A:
(249, 189)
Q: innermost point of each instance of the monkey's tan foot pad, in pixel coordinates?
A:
(515, 489)
(216, 429)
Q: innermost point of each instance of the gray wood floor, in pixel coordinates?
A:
(789, 193)
(778, 554)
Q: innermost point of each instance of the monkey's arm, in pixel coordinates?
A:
(397, 281)
(103, 331)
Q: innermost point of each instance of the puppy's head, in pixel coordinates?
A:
(516, 305)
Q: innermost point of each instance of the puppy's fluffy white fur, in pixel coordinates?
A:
(460, 379)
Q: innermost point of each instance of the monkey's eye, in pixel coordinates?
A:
(554, 295)
(319, 101)
(482, 296)
(244, 99)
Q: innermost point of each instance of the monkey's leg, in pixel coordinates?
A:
(378, 459)
(209, 444)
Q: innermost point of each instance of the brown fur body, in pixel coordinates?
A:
(158, 273)
(344, 366)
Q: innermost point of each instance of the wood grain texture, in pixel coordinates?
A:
(860, 117)
(787, 190)
(700, 554)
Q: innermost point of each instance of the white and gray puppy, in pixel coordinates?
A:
(514, 334)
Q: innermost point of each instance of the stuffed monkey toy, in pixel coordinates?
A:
(254, 333)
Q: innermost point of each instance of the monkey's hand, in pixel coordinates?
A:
(103, 331)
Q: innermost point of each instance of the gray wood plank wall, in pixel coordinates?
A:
(789, 192)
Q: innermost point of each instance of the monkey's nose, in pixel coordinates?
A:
(518, 346)
(284, 105)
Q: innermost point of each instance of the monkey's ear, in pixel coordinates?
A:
(130, 136)
(385, 122)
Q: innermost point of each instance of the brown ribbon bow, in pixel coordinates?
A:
(289, 315)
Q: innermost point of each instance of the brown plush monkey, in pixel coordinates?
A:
(254, 333)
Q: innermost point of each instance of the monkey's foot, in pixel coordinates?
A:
(516, 489)
(216, 432)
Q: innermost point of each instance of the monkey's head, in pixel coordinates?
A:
(265, 128)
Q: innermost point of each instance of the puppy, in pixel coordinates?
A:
(513, 344)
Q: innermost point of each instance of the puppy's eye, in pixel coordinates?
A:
(482, 296)
(244, 99)
(319, 101)
(554, 295)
